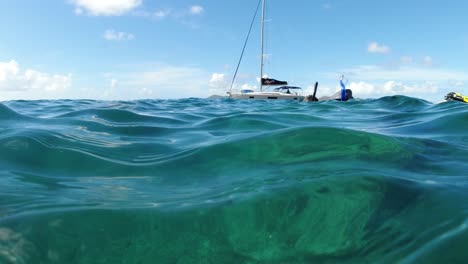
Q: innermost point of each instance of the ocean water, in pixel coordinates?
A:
(224, 181)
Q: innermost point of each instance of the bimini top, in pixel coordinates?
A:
(286, 88)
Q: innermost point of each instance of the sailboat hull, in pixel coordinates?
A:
(266, 96)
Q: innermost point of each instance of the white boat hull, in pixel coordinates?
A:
(266, 96)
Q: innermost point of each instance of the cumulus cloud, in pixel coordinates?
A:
(105, 7)
(8, 70)
(420, 89)
(362, 88)
(111, 34)
(409, 79)
(196, 10)
(29, 82)
(218, 80)
(247, 86)
(219, 84)
(375, 47)
(36, 80)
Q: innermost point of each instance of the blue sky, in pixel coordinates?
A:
(134, 49)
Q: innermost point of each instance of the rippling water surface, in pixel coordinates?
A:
(223, 181)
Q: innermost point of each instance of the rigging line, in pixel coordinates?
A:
(245, 44)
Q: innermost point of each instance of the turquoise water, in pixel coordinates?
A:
(223, 181)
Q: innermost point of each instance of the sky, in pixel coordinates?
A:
(169, 49)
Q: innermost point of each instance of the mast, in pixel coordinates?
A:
(262, 35)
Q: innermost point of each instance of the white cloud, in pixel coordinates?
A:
(111, 34)
(186, 16)
(218, 80)
(110, 91)
(175, 82)
(421, 89)
(105, 7)
(220, 83)
(158, 14)
(427, 61)
(8, 70)
(160, 81)
(16, 84)
(321, 90)
(196, 10)
(376, 89)
(362, 88)
(113, 83)
(247, 86)
(406, 60)
(456, 83)
(36, 80)
(405, 88)
(375, 47)
(411, 80)
(145, 91)
(161, 13)
(404, 73)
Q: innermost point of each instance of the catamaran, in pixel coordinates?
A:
(283, 92)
